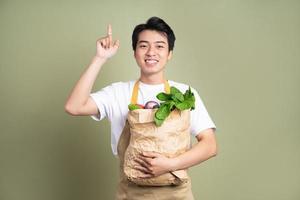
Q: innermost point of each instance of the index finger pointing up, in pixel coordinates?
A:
(109, 30)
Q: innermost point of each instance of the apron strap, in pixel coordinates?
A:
(134, 96)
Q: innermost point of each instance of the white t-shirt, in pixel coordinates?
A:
(112, 102)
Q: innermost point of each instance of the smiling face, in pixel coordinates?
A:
(152, 52)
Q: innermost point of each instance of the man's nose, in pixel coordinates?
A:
(151, 51)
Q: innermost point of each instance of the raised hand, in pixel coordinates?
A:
(106, 47)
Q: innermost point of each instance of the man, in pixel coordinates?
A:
(153, 45)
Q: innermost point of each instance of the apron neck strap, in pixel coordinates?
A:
(134, 96)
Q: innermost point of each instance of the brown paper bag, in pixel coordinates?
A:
(171, 139)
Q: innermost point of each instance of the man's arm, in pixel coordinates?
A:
(154, 164)
(205, 148)
(79, 101)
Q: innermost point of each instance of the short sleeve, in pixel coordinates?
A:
(200, 119)
(103, 99)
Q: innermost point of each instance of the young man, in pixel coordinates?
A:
(153, 44)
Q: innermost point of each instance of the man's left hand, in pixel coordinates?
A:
(153, 164)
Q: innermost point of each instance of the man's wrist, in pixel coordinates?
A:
(174, 164)
(100, 59)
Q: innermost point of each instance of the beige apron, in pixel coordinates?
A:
(131, 191)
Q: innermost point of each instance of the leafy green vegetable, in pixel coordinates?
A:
(163, 96)
(183, 106)
(133, 107)
(174, 90)
(162, 112)
(174, 100)
(179, 96)
(158, 122)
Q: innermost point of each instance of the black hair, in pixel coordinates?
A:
(156, 24)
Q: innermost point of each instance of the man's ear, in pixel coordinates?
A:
(170, 55)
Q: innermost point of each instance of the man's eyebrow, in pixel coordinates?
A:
(161, 42)
(143, 41)
(154, 42)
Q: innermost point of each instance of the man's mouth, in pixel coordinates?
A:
(151, 61)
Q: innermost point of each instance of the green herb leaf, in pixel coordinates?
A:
(179, 96)
(158, 122)
(174, 90)
(183, 105)
(171, 104)
(188, 93)
(162, 112)
(163, 96)
(175, 100)
(133, 107)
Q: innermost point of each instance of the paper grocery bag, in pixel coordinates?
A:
(171, 139)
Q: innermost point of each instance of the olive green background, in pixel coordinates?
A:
(241, 56)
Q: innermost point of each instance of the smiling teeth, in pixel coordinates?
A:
(151, 61)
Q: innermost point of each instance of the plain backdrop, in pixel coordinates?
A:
(241, 56)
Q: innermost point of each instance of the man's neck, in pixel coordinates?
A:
(153, 80)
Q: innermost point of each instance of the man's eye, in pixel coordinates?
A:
(142, 46)
(160, 46)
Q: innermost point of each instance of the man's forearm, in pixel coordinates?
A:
(83, 87)
(203, 150)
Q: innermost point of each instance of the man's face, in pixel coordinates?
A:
(152, 52)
